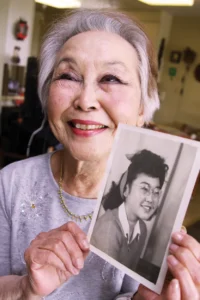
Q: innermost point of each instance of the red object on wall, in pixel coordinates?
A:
(21, 30)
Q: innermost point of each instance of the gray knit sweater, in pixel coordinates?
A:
(29, 204)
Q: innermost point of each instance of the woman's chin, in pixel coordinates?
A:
(91, 151)
(89, 155)
(147, 216)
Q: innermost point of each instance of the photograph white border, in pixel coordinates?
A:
(180, 213)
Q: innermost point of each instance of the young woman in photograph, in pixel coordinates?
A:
(121, 231)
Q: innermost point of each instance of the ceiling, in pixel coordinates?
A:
(131, 5)
(135, 4)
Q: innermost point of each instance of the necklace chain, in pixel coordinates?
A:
(64, 206)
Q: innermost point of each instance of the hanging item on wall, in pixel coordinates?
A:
(160, 52)
(21, 30)
(175, 57)
(197, 73)
(189, 57)
(172, 72)
(15, 58)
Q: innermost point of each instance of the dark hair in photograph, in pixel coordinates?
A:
(148, 163)
(142, 162)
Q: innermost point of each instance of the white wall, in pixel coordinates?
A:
(186, 108)
(38, 29)
(150, 21)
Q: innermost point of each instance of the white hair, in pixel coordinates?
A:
(100, 20)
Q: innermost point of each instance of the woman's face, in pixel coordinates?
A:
(95, 86)
(142, 198)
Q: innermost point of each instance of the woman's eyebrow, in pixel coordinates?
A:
(66, 59)
(144, 182)
(115, 62)
(71, 60)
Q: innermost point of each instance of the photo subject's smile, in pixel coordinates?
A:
(147, 208)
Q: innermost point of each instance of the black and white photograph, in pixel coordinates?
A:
(144, 197)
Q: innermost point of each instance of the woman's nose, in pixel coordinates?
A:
(149, 197)
(87, 99)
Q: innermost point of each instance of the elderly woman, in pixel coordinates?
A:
(97, 69)
(128, 204)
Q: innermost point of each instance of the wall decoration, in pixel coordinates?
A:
(175, 57)
(172, 72)
(189, 57)
(21, 30)
(160, 52)
(197, 72)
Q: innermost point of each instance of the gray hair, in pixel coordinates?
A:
(101, 20)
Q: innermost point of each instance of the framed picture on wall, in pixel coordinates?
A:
(175, 57)
(144, 197)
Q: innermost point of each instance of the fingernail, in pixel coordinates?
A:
(183, 229)
(75, 271)
(175, 284)
(85, 244)
(172, 260)
(79, 263)
(178, 236)
(173, 247)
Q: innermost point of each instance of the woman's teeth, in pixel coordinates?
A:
(88, 127)
(147, 208)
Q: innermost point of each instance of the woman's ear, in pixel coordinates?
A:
(140, 118)
(126, 191)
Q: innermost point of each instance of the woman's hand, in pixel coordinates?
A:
(54, 256)
(184, 264)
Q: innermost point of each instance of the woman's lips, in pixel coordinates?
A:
(147, 208)
(86, 128)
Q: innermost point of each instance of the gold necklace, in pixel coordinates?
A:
(64, 206)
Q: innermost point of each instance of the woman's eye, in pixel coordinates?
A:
(111, 79)
(67, 76)
(157, 192)
(144, 189)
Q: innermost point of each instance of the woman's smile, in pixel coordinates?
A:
(147, 208)
(86, 128)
